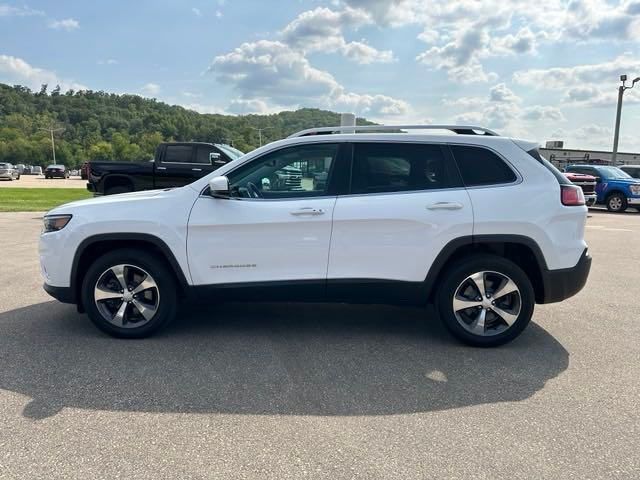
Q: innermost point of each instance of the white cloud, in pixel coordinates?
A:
(218, 13)
(108, 61)
(14, 70)
(196, 11)
(322, 30)
(67, 24)
(151, 89)
(242, 106)
(274, 72)
(22, 11)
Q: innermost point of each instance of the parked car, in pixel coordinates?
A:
(587, 183)
(84, 171)
(615, 189)
(432, 229)
(631, 170)
(56, 171)
(174, 165)
(36, 170)
(20, 168)
(27, 170)
(9, 172)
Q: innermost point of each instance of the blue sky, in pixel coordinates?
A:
(541, 70)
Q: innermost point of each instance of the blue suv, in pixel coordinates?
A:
(616, 189)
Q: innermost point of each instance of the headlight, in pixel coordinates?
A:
(635, 189)
(53, 223)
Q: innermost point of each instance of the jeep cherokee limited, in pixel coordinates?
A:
(480, 225)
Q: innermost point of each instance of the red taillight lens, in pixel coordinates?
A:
(571, 196)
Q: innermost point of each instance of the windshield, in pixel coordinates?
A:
(231, 152)
(613, 172)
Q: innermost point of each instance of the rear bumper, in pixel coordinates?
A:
(62, 294)
(562, 284)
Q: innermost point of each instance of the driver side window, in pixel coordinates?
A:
(300, 171)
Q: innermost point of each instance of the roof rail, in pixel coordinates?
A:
(459, 129)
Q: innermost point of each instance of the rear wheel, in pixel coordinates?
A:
(129, 293)
(485, 300)
(616, 203)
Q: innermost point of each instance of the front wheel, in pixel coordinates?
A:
(616, 203)
(129, 293)
(485, 300)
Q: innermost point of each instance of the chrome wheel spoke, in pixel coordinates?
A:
(147, 311)
(102, 293)
(507, 287)
(478, 324)
(460, 303)
(145, 284)
(508, 317)
(118, 272)
(119, 317)
(478, 280)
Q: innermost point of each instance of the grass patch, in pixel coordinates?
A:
(38, 199)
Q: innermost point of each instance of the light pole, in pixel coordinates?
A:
(53, 142)
(616, 133)
(260, 130)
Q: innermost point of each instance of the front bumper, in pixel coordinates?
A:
(633, 201)
(62, 294)
(590, 200)
(561, 284)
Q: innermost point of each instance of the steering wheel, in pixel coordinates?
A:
(253, 190)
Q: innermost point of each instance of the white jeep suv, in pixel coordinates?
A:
(478, 224)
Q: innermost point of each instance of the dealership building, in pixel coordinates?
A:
(561, 157)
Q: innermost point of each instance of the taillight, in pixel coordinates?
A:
(571, 196)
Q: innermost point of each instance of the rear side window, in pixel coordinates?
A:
(178, 154)
(562, 180)
(479, 166)
(397, 167)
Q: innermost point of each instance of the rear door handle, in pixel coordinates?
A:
(196, 169)
(307, 211)
(445, 206)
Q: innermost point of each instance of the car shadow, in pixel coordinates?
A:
(288, 359)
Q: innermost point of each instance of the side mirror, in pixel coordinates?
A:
(219, 186)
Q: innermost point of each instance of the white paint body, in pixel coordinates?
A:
(390, 236)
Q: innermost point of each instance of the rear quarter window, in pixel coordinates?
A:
(480, 166)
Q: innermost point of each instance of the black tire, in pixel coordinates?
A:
(156, 268)
(616, 203)
(118, 189)
(458, 272)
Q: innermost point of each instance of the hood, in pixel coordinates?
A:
(110, 200)
(627, 181)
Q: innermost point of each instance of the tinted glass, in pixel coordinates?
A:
(480, 166)
(396, 167)
(203, 155)
(178, 154)
(301, 171)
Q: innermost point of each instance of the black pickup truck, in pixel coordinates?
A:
(174, 165)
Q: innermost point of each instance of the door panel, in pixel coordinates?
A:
(395, 236)
(407, 203)
(240, 240)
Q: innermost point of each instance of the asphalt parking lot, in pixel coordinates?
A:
(280, 391)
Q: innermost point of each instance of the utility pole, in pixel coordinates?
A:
(53, 142)
(616, 133)
(260, 130)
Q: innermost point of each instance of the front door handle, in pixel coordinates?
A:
(445, 206)
(307, 211)
(161, 168)
(196, 169)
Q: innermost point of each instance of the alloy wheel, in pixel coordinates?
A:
(126, 296)
(615, 203)
(487, 303)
